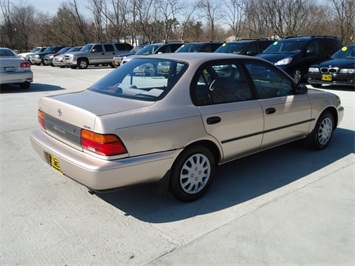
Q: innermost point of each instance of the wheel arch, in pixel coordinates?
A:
(209, 145)
(83, 58)
(332, 110)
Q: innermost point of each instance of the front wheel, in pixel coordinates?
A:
(192, 173)
(322, 133)
(83, 63)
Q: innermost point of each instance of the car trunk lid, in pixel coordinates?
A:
(65, 115)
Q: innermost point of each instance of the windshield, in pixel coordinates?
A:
(49, 49)
(86, 48)
(286, 47)
(189, 48)
(150, 49)
(345, 52)
(232, 48)
(36, 49)
(63, 50)
(73, 49)
(142, 79)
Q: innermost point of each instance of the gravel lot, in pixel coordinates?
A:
(287, 205)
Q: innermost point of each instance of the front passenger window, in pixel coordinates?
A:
(97, 48)
(268, 82)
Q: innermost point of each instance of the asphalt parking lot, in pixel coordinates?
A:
(283, 206)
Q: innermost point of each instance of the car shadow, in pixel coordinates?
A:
(235, 182)
(35, 87)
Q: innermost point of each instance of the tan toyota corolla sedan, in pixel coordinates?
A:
(177, 117)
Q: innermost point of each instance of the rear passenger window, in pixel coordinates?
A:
(268, 82)
(109, 47)
(220, 84)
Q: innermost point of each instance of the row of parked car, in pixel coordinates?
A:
(317, 60)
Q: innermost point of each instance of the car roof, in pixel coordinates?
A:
(196, 56)
(201, 42)
(251, 40)
(308, 37)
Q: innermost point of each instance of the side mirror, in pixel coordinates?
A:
(301, 89)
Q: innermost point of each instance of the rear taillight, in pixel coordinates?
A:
(107, 145)
(41, 118)
(25, 64)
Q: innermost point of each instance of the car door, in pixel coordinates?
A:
(287, 115)
(97, 52)
(110, 52)
(229, 112)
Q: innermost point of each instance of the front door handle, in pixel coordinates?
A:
(270, 111)
(213, 120)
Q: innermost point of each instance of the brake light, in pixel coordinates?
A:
(107, 145)
(41, 118)
(25, 64)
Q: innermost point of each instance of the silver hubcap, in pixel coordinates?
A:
(195, 173)
(325, 131)
(83, 64)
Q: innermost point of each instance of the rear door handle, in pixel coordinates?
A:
(270, 111)
(213, 120)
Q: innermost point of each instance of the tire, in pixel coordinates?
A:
(25, 85)
(73, 67)
(83, 63)
(297, 75)
(322, 133)
(192, 173)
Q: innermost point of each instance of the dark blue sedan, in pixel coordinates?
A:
(339, 70)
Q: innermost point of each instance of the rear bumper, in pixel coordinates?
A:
(17, 77)
(98, 174)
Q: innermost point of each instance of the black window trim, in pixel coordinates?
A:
(242, 63)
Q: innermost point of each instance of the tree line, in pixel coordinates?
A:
(77, 22)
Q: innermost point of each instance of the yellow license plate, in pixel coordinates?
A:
(117, 63)
(54, 162)
(326, 77)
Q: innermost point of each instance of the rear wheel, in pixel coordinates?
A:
(322, 133)
(192, 173)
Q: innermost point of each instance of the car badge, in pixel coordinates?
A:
(59, 111)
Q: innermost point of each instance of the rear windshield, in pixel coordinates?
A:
(7, 53)
(286, 47)
(142, 78)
